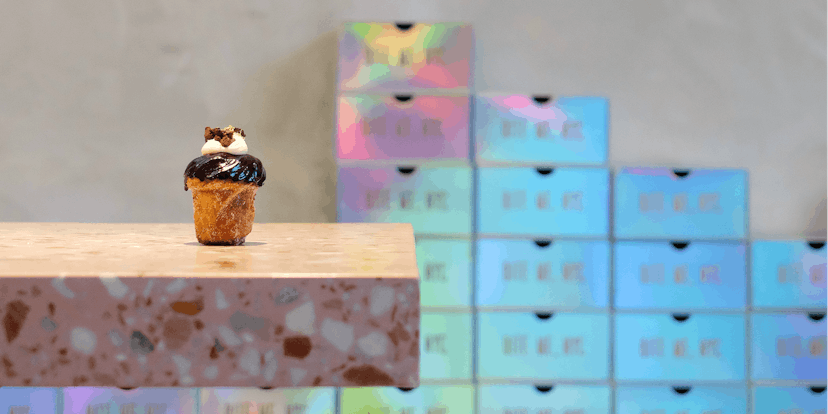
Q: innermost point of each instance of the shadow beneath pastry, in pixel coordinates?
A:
(287, 110)
(249, 244)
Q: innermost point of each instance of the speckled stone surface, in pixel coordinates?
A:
(299, 305)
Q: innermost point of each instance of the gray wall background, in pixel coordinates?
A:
(103, 103)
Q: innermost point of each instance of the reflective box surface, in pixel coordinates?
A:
(543, 202)
(560, 346)
(456, 399)
(582, 399)
(789, 347)
(684, 399)
(93, 400)
(517, 128)
(660, 203)
(274, 401)
(435, 200)
(400, 127)
(666, 347)
(555, 273)
(788, 274)
(388, 57)
(694, 275)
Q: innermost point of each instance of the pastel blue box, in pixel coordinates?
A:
(543, 202)
(788, 347)
(445, 272)
(95, 400)
(581, 399)
(18, 400)
(680, 276)
(435, 200)
(681, 399)
(788, 274)
(446, 346)
(425, 399)
(532, 346)
(520, 128)
(317, 400)
(660, 203)
(677, 347)
(789, 400)
(539, 274)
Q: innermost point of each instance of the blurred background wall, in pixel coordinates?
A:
(103, 103)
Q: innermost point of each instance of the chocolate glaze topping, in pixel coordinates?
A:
(224, 166)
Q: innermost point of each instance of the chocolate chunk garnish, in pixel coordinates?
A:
(16, 312)
(226, 141)
(208, 134)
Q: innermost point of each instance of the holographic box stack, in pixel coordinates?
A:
(548, 283)
(403, 150)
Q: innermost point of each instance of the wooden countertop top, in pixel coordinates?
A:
(346, 250)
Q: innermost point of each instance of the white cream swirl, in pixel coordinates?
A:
(238, 147)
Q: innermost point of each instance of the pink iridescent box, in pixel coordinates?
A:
(403, 127)
(405, 56)
(145, 305)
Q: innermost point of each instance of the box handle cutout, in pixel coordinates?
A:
(681, 317)
(127, 388)
(406, 389)
(682, 390)
(543, 243)
(544, 171)
(816, 245)
(680, 245)
(265, 388)
(403, 26)
(544, 388)
(681, 173)
(406, 170)
(817, 390)
(816, 317)
(541, 99)
(403, 98)
(543, 316)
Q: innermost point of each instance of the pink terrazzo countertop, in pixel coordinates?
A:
(145, 305)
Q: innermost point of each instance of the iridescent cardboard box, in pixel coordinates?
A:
(445, 272)
(687, 399)
(405, 56)
(543, 202)
(421, 400)
(19, 400)
(274, 401)
(660, 203)
(788, 274)
(435, 200)
(542, 347)
(788, 347)
(446, 347)
(790, 400)
(539, 274)
(558, 398)
(402, 127)
(541, 130)
(680, 347)
(680, 275)
(95, 400)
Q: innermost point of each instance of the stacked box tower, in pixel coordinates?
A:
(402, 145)
(542, 290)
